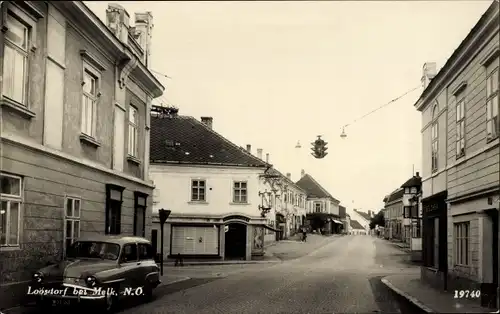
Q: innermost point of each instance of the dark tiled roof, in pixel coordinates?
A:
(313, 188)
(356, 225)
(342, 212)
(185, 140)
(413, 181)
(363, 214)
(396, 195)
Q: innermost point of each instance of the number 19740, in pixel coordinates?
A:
(461, 294)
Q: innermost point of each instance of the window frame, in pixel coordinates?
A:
(490, 105)
(96, 76)
(240, 189)
(316, 207)
(435, 138)
(198, 189)
(28, 15)
(12, 198)
(137, 207)
(458, 240)
(71, 218)
(460, 127)
(134, 125)
(108, 210)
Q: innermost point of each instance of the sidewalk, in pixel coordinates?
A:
(429, 299)
(294, 248)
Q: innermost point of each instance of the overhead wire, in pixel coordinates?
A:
(383, 106)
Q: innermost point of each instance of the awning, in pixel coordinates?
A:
(337, 221)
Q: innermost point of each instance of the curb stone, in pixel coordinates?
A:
(222, 263)
(407, 296)
(171, 282)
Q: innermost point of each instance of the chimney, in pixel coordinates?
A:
(428, 73)
(249, 148)
(302, 173)
(267, 157)
(259, 153)
(369, 213)
(289, 176)
(208, 121)
(144, 31)
(118, 21)
(417, 174)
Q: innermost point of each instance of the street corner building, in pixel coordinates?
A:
(211, 187)
(75, 102)
(322, 208)
(460, 179)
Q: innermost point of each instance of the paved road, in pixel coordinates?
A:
(341, 277)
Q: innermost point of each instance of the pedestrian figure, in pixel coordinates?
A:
(304, 234)
(179, 260)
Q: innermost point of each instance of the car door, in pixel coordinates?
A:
(147, 263)
(129, 264)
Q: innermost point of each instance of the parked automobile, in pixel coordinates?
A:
(99, 269)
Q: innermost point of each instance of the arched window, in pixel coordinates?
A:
(434, 138)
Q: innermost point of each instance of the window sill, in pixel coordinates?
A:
(87, 139)
(9, 248)
(491, 139)
(236, 203)
(17, 107)
(198, 203)
(133, 159)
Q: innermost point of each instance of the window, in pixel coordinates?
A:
(140, 214)
(317, 207)
(462, 243)
(89, 103)
(15, 66)
(132, 131)
(72, 221)
(146, 251)
(114, 198)
(198, 191)
(434, 140)
(240, 194)
(492, 105)
(460, 139)
(10, 210)
(129, 253)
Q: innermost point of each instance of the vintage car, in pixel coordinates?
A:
(101, 269)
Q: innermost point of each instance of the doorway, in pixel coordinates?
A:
(235, 241)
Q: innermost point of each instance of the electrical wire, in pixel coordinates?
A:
(383, 106)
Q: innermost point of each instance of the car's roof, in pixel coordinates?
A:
(117, 239)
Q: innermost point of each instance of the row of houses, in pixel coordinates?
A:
(460, 183)
(226, 202)
(84, 151)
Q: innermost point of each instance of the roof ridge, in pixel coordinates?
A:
(228, 141)
(321, 187)
(293, 183)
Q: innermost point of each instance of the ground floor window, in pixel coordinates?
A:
(140, 214)
(11, 197)
(461, 236)
(72, 221)
(114, 198)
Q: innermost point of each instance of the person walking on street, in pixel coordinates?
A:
(304, 234)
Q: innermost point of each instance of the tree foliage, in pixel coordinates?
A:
(377, 220)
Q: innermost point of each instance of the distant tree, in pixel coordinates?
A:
(377, 220)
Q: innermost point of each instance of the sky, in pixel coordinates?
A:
(275, 73)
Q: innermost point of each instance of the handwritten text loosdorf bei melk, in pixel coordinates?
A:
(71, 291)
